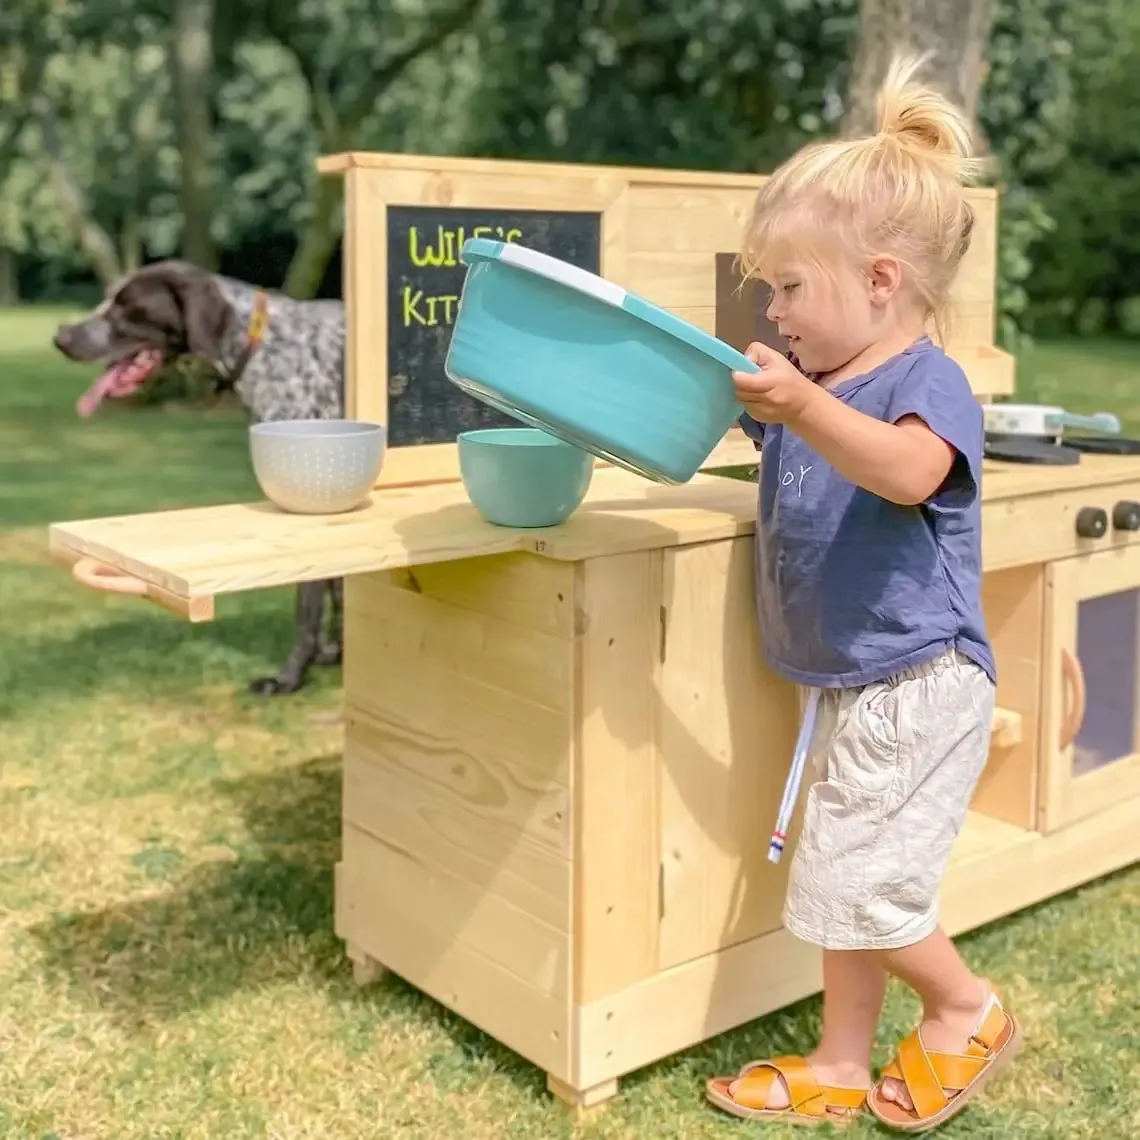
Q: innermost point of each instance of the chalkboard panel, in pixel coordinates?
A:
(425, 278)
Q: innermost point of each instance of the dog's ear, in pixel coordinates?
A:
(207, 316)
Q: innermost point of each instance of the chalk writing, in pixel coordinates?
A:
(448, 243)
(427, 310)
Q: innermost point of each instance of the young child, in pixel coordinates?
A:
(868, 572)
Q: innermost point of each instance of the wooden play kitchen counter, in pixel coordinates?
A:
(563, 755)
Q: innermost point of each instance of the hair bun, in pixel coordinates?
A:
(924, 120)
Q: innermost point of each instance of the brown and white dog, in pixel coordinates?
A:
(284, 359)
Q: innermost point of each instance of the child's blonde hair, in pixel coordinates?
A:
(897, 193)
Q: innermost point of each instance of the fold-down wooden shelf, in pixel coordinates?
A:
(183, 559)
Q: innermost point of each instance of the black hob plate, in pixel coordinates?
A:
(1032, 451)
(1103, 444)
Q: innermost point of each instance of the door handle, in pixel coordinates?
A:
(1073, 678)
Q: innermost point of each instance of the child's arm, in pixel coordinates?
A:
(904, 462)
(905, 459)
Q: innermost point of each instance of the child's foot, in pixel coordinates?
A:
(800, 1090)
(829, 1074)
(942, 1031)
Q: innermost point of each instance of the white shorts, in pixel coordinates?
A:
(892, 768)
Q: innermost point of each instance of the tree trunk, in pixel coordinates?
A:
(956, 31)
(97, 245)
(191, 59)
(317, 243)
(337, 128)
(9, 280)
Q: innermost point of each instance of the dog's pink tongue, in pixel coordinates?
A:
(94, 396)
(120, 379)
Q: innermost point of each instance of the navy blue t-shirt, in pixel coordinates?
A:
(851, 587)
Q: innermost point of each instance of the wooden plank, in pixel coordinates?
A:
(615, 238)
(445, 819)
(982, 196)
(727, 730)
(339, 163)
(1014, 606)
(218, 550)
(452, 908)
(384, 907)
(1041, 526)
(193, 609)
(616, 839)
(206, 551)
(521, 589)
(472, 187)
(990, 371)
(465, 643)
(673, 280)
(430, 715)
(1115, 475)
(365, 297)
(687, 219)
(1059, 633)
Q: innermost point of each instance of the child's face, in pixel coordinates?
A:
(828, 319)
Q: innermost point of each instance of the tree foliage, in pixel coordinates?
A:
(100, 137)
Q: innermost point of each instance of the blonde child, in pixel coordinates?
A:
(868, 573)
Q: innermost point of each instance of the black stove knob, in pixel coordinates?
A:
(1126, 515)
(1092, 522)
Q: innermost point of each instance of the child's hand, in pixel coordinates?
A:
(778, 393)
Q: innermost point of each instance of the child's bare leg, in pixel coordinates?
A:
(854, 982)
(952, 997)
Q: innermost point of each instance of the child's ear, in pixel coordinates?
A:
(884, 278)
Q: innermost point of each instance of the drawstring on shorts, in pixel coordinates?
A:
(795, 777)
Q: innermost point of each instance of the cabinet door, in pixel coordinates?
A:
(726, 731)
(1090, 744)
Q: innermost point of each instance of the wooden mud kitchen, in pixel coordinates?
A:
(563, 755)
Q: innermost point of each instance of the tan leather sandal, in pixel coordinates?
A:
(940, 1085)
(746, 1094)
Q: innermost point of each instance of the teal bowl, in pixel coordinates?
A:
(576, 355)
(522, 476)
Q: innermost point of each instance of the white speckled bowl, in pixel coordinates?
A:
(317, 467)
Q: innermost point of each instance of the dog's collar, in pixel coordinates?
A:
(254, 336)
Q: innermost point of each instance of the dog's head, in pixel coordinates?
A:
(162, 311)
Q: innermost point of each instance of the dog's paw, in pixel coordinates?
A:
(273, 686)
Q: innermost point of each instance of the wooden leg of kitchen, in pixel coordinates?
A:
(580, 1101)
(365, 968)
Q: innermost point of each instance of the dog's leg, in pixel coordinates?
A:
(310, 609)
(332, 638)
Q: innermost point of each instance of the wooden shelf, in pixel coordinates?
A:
(184, 558)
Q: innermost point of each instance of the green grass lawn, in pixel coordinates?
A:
(167, 962)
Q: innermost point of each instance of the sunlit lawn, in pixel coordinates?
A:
(167, 962)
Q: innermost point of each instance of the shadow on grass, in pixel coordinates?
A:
(232, 924)
(141, 649)
(237, 925)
